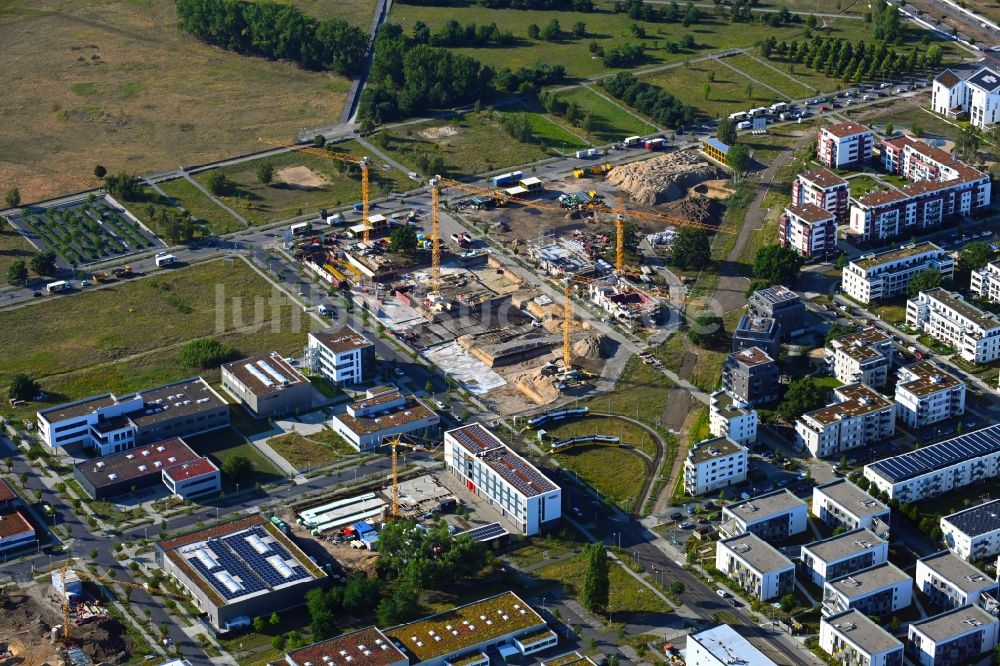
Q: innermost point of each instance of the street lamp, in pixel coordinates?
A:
(543, 604)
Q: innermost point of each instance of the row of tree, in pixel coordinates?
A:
(528, 80)
(629, 55)
(564, 5)
(408, 78)
(275, 31)
(637, 10)
(651, 100)
(840, 58)
(42, 264)
(453, 33)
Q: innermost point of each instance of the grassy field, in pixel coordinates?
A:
(825, 6)
(707, 367)
(641, 392)
(862, 185)
(611, 121)
(757, 69)
(114, 82)
(627, 594)
(591, 463)
(933, 126)
(304, 452)
(549, 132)
(630, 434)
(355, 12)
(190, 197)
(12, 247)
(223, 444)
(727, 89)
(286, 197)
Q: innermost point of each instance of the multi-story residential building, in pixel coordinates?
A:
(731, 417)
(859, 417)
(927, 394)
(876, 277)
(939, 468)
(950, 319)
(714, 463)
(809, 230)
(852, 639)
(843, 554)
(973, 534)
(823, 188)
(383, 413)
(863, 357)
(508, 482)
(719, 645)
(953, 638)
(844, 146)
(840, 503)
(110, 424)
(16, 530)
(772, 516)
(781, 304)
(341, 355)
(267, 385)
(761, 332)
(879, 590)
(755, 565)
(951, 582)
(751, 375)
(985, 282)
(976, 93)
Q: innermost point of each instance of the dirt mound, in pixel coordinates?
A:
(106, 641)
(538, 388)
(443, 132)
(714, 189)
(593, 347)
(663, 178)
(301, 176)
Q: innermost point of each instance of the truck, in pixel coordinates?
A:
(778, 107)
(162, 259)
(101, 276)
(632, 141)
(55, 287)
(122, 271)
(582, 154)
(335, 219)
(654, 144)
(739, 116)
(301, 229)
(759, 111)
(506, 178)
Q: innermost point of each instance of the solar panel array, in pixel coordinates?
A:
(514, 469)
(226, 562)
(938, 456)
(258, 562)
(487, 532)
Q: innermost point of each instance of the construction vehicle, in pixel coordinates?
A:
(122, 271)
(593, 170)
(102, 276)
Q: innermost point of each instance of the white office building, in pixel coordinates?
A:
(840, 503)
(731, 417)
(843, 554)
(863, 357)
(772, 516)
(951, 582)
(953, 638)
(713, 464)
(976, 94)
(939, 468)
(852, 639)
(973, 534)
(341, 355)
(508, 482)
(950, 319)
(756, 566)
(719, 645)
(860, 416)
(880, 590)
(875, 277)
(927, 394)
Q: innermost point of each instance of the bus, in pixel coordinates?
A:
(54, 287)
(164, 259)
(301, 229)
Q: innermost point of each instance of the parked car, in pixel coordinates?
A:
(676, 515)
(687, 526)
(398, 371)
(722, 593)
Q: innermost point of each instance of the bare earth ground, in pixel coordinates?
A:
(301, 176)
(114, 82)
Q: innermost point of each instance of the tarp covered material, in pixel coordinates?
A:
(363, 527)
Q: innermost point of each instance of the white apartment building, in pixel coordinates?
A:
(973, 534)
(341, 355)
(852, 639)
(809, 230)
(772, 516)
(927, 394)
(939, 468)
(755, 565)
(859, 417)
(713, 464)
(508, 482)
(951, 582)
(844, 146)
(875, 277)
(731, 417)
(977, 94)
(953, 638)
(879, 590)
(843, 554)
(717, 647)
(951, 320)
(985, 282)
(840, 503)
(863, 357)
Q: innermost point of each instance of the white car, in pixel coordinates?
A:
(746, 124)
(440, 405)
(722, 593)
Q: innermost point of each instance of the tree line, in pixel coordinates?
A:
(529, 80)
(564, 5)
(629, 55)
(408, 78)
(275, 31)
(842, 59)
(651, 100)
(455, 34)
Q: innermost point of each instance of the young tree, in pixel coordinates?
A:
(403, 240)
(218, 184)
(552, 31)
(237, 467)
(258, 623)
(706, 91)
(12, 197)
(579, 29)
(17, 273)
(44, 263)
(265, 172)
(534, 31)
(777, 265)
(319, 140)
(803, 395)
(726, 131)
(596, 582)
(967, 143)
(738, 159)
(676, 588)
(275, 619)
(691, 249)
(205, 353)
(23, 387)
(924, 280)
(889, 128)
(100, 171)
(787, 602)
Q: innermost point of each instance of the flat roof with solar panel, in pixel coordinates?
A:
(487, 532)
(978, 520)
(514, 469)
(962, 448)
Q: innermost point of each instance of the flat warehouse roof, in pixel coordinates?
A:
(865, 582)
(958, 449)
(722, 642)
(138, 462)
(14, 524)
(844, 545)
(265, 373)
(79, 408)
(957, 571)
(184, 398)
(857, 628)
(953, 623)
(977, 520)
(852, 498)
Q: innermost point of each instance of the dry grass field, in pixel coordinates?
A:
(114, 82)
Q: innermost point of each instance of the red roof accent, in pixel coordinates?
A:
(14, 524)
(7, 493)
(842, 130)
(195, 468)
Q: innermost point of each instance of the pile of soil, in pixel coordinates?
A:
(538, 388)
(106, 641)
(593, 347)
(663, 178)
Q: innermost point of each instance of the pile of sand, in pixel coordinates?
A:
(663, 178)
(442, 132)
(540, 389)
(593, 347)
(301, 176)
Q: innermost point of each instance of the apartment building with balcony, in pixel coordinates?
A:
(880, 590)
(951, 582)
(864, 357)
(809, 230)
(781, 304)
(843, 554)
(985, 282)
(731, 417)
(927, 394)
(844, 146)
(860, 416)
(751, 375)
(756, 566)
(976, 93)
(825, 189)
(875, 277)
(840, 503)
(852, 639)
(953, 638)
(762, 332)
(772, 516)
(974, 533)
(948, 318)
(713, 464)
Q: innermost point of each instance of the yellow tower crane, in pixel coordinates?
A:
(435, 235)
(395, 444)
